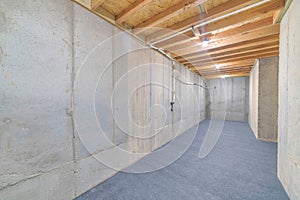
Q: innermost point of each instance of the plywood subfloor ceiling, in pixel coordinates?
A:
(214, 38)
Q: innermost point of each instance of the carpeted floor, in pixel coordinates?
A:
(239, 167)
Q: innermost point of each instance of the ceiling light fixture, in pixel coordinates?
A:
(205, 43)
(218, 66)
(225, 76)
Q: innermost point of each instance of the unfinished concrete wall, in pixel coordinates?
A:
(71, 95)
(263, 101)
(268, 99)
(229, 100)
(289, 102)
(36, 151)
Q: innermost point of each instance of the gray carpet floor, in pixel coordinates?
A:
(239, 167)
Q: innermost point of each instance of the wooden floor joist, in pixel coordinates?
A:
(228, 51)
(220, 10)
(236, 31)
(236, 54)
(182, 39)
(136, 6)
(167, 14)
(236, 39)
(96, 4)
(252, 44)
(261, 55)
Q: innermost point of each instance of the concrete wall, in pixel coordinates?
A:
(263, 101)
(229, 100)
(268, 99)
(65, 104)
(289, 102)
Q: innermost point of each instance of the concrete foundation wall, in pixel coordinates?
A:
(71, 95)
(289, 102)
(263, 101)
(229, 100)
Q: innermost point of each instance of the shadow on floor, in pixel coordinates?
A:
(239, 167)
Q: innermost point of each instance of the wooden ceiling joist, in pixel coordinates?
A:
(224, 52)
(180, 39)
(96, 4)
(226, 64)
(237, 31)
(134, 7)
(204, 69)
(233, 54)
(234, 40)
(245, 69)
(211, 70)
(167, 14)
(222, 9)
(237, 64)
(269, 40)
(237, 56)
(261, 55)
(227, 75)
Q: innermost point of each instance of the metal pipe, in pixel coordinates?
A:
(190, 83)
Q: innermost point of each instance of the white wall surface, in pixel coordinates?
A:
(229, 100)
(253, 98)
(65, 104)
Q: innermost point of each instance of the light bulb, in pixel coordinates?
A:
(218, 66)
(205, 43)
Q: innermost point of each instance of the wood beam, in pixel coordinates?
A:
(238, 49)
(134, 7)
(167, 14)
(212, 38)
(234, 40)
(244, 69)
(96, 4)
(235, 54)
(181, 39)
(227, 75)
(210, 70)
(194, 43)
(269, 40)
(228, 64)
(218, 11)
(239, 56)
(261, 55)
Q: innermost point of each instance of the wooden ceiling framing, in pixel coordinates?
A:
(214, 38)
